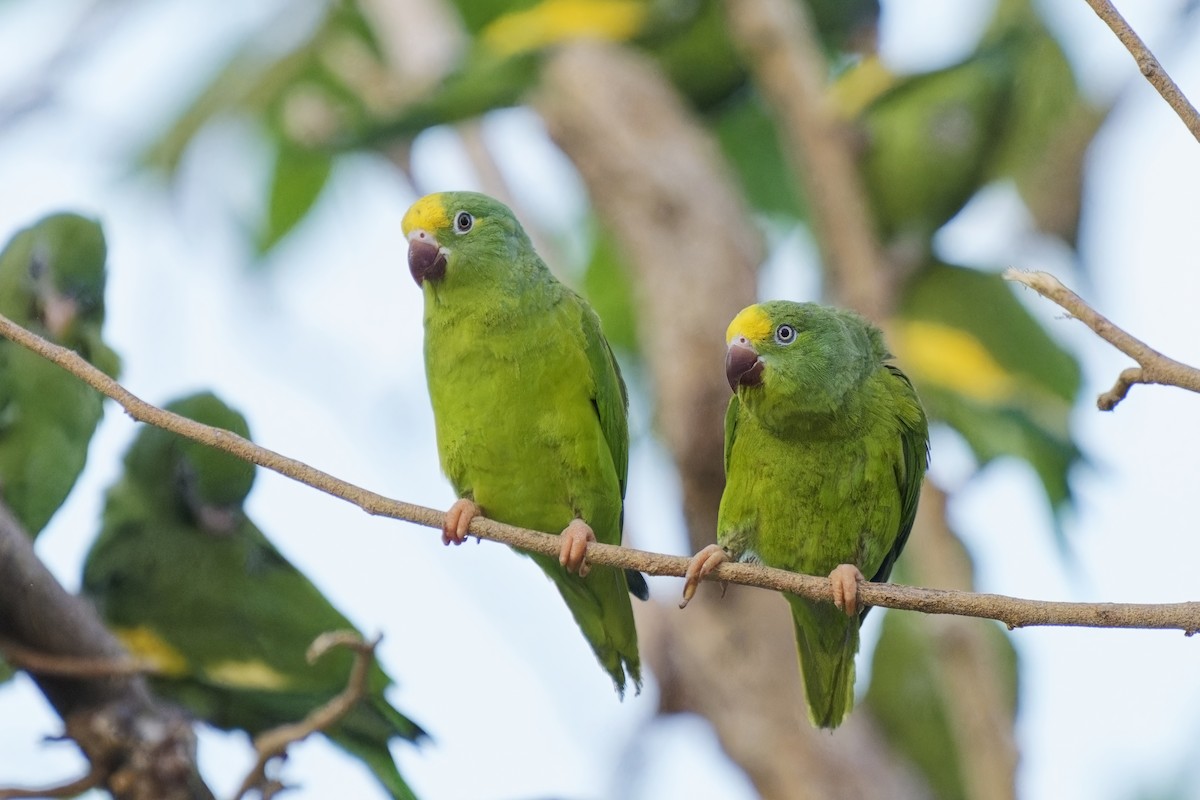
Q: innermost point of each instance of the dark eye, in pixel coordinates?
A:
(463, 222)
(37, 266)
(785, 334)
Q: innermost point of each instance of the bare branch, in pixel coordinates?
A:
(1153, 366)
(274, 743)
(92, 780)
(1148, 64)
(139, 749)
(64, 666)
(1014, 612)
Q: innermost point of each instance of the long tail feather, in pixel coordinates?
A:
(827, 641)
(601, 607)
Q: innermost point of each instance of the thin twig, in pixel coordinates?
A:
(41, 663)
(274, 743)
(1013, 612)
(1153, 366)
(94, 778)
(1149, 65)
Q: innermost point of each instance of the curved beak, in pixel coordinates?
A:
(743, 367)
(58, 313)
(426, 259)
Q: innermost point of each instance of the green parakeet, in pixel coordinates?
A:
(825, 447)
(529, 405)
(194, 587)
(52, 282)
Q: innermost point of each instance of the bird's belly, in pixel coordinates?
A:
(809, 508)
(527, 446)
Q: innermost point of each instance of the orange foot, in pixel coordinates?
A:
(700, 566)
(573, 550)
(845, 579)
(458, 520)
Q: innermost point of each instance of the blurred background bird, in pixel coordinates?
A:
(194, 588)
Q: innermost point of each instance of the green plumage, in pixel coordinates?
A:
(528, 402)
(52, 277)
(824, 456)
(192, 585)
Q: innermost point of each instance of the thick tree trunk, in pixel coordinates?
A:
(139, 748)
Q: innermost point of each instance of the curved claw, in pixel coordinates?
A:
(698, 569)
(845, 579)
(458, 521)
(573, 550)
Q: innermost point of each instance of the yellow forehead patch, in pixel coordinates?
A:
(147, 645)
(751, 322)
(554, 21)
(247, 675)
(428, 213)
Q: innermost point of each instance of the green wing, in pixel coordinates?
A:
(611, 399)
(611, 402)
(731, 418)
(915, 441)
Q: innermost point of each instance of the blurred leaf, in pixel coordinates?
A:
(694, 50)
(607, 287)
(296, 183)
(995, 431)
(688, 39)
(908, 697)
(750, 141)
(986, 306)
(985, 366)
(308, 96)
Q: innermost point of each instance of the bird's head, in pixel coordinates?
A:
(204, 484)
(459, 238)
(799, 357)
(52, 277)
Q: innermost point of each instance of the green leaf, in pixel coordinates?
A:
(986, 306)
(296, 182)
(909, 700)
(607, 288)
(984, 365)
(750, 141)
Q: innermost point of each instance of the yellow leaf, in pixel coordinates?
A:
(952, 358)
(555, 21)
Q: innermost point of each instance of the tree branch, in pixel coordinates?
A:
(139, 749)
(1153, 366)
(92, 780)
(64, 666)
(1014, 612)
(275, 742)
(1148, 64)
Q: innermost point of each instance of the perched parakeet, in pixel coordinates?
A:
(51, 282)
(529, 405)
(191, 585)
(825, 447)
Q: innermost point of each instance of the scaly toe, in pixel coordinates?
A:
(845, 579)
(573, 550)
(699, 567)
(458, 521)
